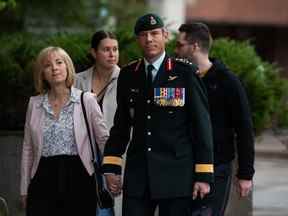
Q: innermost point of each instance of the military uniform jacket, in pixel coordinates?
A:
(171, 144)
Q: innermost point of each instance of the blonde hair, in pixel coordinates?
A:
(41, 85)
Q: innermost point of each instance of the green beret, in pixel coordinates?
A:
(148, 22)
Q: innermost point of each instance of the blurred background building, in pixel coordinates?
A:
(27, 25)
(172, 11)
(263, 22)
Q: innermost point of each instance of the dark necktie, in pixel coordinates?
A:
(149, 76)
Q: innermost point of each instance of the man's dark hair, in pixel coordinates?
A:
(99, 36)
(198, 32)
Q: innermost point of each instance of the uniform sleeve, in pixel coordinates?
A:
(201, 130)
(243, 126)
(120, 132)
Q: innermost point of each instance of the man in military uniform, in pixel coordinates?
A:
(170, 156)
(230, 116)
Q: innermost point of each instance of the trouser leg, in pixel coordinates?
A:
(175, 207)
(133, 206)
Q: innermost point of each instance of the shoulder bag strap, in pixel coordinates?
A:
(102, 91)
(96, 159)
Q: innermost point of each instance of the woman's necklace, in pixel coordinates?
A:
(58, 103)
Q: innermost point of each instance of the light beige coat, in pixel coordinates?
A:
(33, 134)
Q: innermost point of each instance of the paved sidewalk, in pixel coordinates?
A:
(270, 145)
(270, 181)
(270, 187)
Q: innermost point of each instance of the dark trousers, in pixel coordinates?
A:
(144, 206)
(61, 186)
(218, 198)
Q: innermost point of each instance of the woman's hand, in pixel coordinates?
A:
(114, 183)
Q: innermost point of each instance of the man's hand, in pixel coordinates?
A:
(114, 183)
(201, 188)
(244, 187)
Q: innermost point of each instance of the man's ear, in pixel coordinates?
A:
(166, 35)
(196, 46)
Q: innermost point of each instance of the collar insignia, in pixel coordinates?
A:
(168, 65)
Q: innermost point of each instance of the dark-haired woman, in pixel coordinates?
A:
(101, 79)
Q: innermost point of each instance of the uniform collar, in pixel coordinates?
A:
(157, 63)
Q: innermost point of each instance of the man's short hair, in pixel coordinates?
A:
(198, 32)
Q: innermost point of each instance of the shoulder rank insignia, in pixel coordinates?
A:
(132, 62)
(136, 62)
(137, 65)
(184, 60)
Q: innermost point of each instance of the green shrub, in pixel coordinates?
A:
(128, 47)
(266, 90)
(17, 55)
(15, 83)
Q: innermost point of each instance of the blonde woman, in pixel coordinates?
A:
(56, 163)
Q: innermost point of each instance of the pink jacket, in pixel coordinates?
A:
(33, 137)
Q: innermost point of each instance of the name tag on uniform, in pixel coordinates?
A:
(169, 97)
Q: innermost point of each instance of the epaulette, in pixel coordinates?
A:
(132, 62)
(136, 62)
(184, 60)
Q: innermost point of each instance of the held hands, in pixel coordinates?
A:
(243, 187)
(114, 183)
(200, 188)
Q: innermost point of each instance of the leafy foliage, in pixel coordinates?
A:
(7, 4)
(266, 90)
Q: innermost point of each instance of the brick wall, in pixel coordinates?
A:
(267, 12)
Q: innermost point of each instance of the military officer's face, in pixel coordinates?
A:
(184, 49)
(152, 42)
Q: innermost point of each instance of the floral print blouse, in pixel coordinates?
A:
(59, 138)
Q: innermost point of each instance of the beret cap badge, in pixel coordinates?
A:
(148, 22)
(152, 20)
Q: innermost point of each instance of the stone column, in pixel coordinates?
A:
(10, 156)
